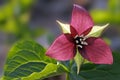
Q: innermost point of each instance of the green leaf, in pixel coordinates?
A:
(49, 71)
(65, 27)
(25, 58)
(74, 76)
(91, 71)
(96, 31)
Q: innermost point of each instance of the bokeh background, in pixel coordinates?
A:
(36, 19)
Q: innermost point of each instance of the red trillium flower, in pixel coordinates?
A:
(82, 35)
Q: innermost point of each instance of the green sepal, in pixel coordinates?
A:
(79, 61)
(97, 31)
(65, 27)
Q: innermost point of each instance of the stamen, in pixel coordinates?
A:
(80, 41)
(77, 41)
(85, 43)
(76, 36)
(81, 35)
(79, 46)
(85, 37)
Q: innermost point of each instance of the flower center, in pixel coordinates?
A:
(80, 41)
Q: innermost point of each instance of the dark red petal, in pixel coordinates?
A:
(62, 49)
(87, 31)
(97, 51)
(81, 20)
(73, 31)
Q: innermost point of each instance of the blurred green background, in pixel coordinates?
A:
(36, 19)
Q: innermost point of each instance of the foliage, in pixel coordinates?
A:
(27, 61)
(108, 15)
(15, 18)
